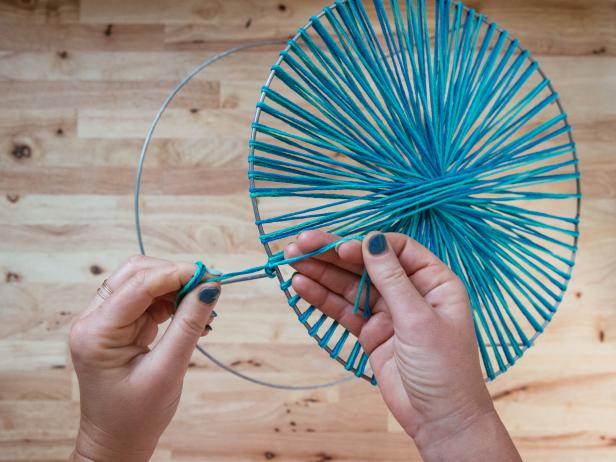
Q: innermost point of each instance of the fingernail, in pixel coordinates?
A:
(377, 244)
(214, 313)
(206, 330)
(209, 295)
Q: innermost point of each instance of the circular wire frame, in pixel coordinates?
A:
(259, 215)
(137, 213)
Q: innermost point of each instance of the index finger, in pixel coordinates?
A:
(136, 295)
(309, 241)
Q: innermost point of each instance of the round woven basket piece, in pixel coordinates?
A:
(427, 120)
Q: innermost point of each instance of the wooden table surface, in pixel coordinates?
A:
(79, 82)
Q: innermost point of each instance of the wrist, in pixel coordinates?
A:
(94, 444)
(480, 435)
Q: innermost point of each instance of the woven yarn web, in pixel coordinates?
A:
(436, 124)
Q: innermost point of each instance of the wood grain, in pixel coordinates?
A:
(79, 83)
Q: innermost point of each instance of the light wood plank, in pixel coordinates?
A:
(107, 96)
(80, 82)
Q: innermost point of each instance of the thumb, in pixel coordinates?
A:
(406, 305)
(178, 343)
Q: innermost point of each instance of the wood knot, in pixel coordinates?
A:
(609, 440)
(505, 393)
(323, 457)
(108, 30)
(282, 7)
(251, 361)
(248, 23)
(96, 270)
(194, 110)
(599, 51)
(12, 277)
(12, 198)
(21, 151)
(63, 54)
(269, 455)
(60, 131)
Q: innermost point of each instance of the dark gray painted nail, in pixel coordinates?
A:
(214, 314)
(209, 295)
(209, 328)
(377, 244)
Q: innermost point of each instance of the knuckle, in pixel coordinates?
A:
(171, 269)
(435, 271)
(141, 282)
(319, 299)
(135, 260)
(451, 281)
(80, 339)
(458, 285)
(349, 291)
(138, 279)
(393, 276)
(191, 326)
(458, 289)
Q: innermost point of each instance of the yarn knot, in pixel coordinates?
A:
(269, 269)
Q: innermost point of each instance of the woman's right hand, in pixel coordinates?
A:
(420, 339)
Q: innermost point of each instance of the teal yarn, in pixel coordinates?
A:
(380, 116)
(254, 272)
(376, 117)
(196, 279)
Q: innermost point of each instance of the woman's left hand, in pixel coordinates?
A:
(129, 393)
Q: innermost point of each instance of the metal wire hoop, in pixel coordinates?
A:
(251, 169)
(137, 211)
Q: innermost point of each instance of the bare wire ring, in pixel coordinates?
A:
(137, 213)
